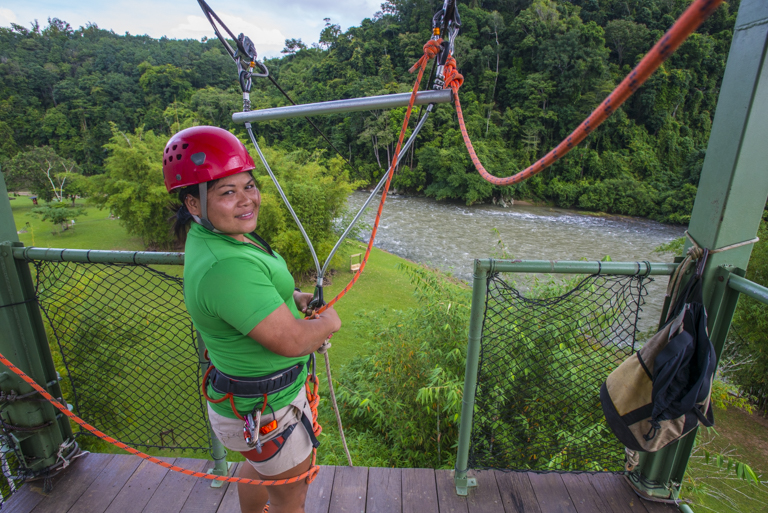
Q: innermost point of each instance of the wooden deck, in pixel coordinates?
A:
(116, 483)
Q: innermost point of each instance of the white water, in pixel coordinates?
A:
(450, 236)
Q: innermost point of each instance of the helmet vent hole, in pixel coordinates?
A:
(163, 161)
(184, 146)
(174, 147)
(178, 157)
(198, 158)
(167, 150)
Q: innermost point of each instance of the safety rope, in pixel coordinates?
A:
(323, 350)
(431, 49)
(694, 16)
(694, 253)
(309, 475)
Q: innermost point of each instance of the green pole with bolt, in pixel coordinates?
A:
(23, 341)
(729, 204)
(479, 288)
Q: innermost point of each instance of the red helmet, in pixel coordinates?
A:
(201, 154)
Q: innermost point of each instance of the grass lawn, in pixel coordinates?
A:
(743, 437)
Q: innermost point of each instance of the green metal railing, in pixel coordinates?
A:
(729, 284)
(21, 255)
(482, 270)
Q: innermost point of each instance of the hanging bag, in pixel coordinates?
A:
(659, 394)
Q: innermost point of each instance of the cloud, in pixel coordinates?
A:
(268, 41)
(268, 24)
(7, 17)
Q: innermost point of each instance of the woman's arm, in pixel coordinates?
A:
(283, 334)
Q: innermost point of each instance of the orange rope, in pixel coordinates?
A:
(431, 49)
(694, 16)
(309, 475)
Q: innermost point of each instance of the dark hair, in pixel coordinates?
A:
(183, 217)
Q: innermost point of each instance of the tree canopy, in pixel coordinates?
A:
(533, 70)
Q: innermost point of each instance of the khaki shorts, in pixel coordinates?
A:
(296, 449)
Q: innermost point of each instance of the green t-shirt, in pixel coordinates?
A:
(229, 288)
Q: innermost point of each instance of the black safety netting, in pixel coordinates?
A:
(11, 480)
(542, 362)
(124, 343)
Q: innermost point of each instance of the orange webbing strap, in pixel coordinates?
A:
(431, 49)
(309, 475)
(694, 16)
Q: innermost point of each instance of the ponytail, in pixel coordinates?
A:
(182, 216)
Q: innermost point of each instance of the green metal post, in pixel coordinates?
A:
(479, 289)
(732, 191)
(218, 452)
(23, 341)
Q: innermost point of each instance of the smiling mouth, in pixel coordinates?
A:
(246, 216)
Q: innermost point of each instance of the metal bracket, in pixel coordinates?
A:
(216, 472)
(463, 484)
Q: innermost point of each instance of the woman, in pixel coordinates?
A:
(242, 300)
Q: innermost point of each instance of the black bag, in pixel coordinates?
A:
(662, 392)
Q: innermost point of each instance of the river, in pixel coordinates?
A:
(449, 236)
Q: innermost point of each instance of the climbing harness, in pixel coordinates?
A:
(249, 387)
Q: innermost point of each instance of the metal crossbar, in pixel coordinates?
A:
(386, 101)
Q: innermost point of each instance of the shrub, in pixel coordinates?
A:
(407, 388)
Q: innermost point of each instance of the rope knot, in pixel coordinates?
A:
(431, 49)
(453, 79)
(695, 252)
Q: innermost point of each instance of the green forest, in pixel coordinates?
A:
(533, 70)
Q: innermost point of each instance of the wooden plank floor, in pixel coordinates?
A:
(116, 483)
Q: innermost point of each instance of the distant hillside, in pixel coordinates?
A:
(533, 71)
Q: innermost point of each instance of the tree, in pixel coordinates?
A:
(132, 188)
(41, 171)
(627, 38)
(330, 34)
(292, 46)
(59, 214)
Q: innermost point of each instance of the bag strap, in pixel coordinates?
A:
(708, 419)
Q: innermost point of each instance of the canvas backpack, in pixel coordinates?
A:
(662, 392)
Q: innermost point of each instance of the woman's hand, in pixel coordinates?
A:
(332, 317)
(302, 300)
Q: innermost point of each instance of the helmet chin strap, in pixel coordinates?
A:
(203, 218)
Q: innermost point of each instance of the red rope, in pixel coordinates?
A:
(309, 475)
(431, 49)
(694, 16)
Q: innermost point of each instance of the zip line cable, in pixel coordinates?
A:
(430, 51)
(690, 20)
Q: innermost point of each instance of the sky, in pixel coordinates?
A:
(267, 23)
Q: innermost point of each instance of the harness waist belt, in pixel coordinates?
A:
(254, 387)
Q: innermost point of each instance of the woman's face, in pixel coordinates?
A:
(233, 205)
